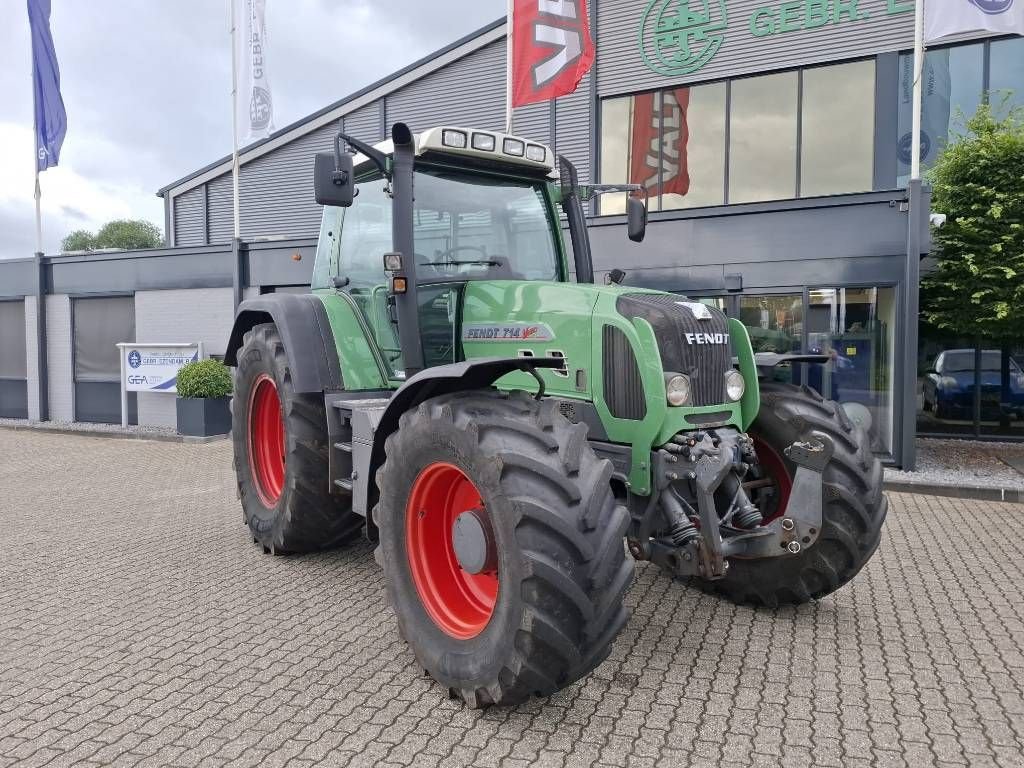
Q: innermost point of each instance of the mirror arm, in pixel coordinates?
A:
(377, 157)
(593, 190)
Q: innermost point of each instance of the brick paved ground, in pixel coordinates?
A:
(139, 625)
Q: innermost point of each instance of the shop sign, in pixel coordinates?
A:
(154, 368)
(680, 37)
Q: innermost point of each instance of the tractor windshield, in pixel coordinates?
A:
(466, 227)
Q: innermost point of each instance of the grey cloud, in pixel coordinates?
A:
(147, 84)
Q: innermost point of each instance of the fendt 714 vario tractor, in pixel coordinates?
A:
(498, 429)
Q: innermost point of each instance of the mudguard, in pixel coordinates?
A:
(442, 379)
(306, 332)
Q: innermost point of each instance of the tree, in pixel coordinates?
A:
(128, 234)
(977, 286)
(124, 234)
(79, 240)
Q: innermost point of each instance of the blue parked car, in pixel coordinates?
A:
(949, 386)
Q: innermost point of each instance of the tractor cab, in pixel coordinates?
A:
(483, 206)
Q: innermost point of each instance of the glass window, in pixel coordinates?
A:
(762, 138)
(99, 325)
(1006, 73)
(672, 141)
(774, 322)
(854, 327)
(12, 340)
(616, 115)
(837, 129)
(952, 92)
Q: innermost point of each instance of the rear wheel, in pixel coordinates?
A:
(502, 545)
(854, 506)
(281, 449)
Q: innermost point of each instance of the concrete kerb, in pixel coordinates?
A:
(978, 492)
(124, 435)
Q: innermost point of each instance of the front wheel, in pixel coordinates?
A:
(502, 545)
(854, 506)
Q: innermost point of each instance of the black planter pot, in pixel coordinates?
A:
(204, 417)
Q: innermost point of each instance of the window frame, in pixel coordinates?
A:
(728, 81)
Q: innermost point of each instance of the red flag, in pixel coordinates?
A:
(660, 133)
(551, 49)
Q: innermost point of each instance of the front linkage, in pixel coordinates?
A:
(700, 513)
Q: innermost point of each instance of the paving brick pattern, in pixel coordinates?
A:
(140, 626)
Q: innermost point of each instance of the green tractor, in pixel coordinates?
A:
(498, 428)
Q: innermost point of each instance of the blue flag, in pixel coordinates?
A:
(51, 119)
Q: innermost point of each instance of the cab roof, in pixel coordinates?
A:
(472, 144)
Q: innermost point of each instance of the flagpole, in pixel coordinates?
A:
(508, 67)
(915, 124)
(38, 191)
(234, 118)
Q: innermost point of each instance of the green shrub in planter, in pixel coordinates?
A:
(204, 396)
(204, 378)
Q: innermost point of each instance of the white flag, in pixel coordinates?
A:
(253, 101)
(935, 109)
(953, 17)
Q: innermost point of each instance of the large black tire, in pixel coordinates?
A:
(561, 564)
(306, 516)
(854, 505)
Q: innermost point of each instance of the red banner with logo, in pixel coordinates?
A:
(657, 152)
(551, 49)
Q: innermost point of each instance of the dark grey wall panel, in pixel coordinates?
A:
(273, 263)
(856, 238)
(469, 92)
(220, 213)
(189, 219)
(13, 399)
(17, 277)
(875, 29)
(365, 123)
(202, 267)
(99, 402)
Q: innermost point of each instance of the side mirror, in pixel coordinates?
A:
(636, 219)
(333, 180)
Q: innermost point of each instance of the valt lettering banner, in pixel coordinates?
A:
(659, 133)
(552, 49)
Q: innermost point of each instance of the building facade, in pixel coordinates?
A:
(773, 139)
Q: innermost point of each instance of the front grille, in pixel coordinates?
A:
(623, 387)
(705, 363)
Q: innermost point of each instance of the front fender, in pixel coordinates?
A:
(440, 380)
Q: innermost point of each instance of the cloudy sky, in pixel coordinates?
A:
(147, 88)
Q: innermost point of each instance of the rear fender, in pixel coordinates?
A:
(305, 329)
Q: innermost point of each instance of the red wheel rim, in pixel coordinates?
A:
(266, 440)
(774, 467)
(460, 603)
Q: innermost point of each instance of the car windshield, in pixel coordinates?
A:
(962, 361)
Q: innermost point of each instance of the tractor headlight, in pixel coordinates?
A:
(735, 386)
(456, 139)
(677, 389)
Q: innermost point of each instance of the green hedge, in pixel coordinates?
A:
(204, 378)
